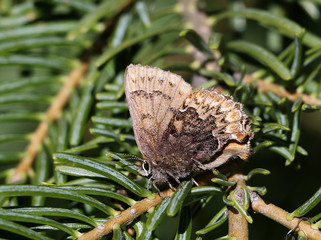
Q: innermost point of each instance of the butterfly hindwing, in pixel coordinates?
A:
(204, 125)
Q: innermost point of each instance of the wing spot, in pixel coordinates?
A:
(149, 116)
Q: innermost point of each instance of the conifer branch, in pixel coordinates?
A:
(125, 216)
(280, 91)
(52, 114)
(279, 215)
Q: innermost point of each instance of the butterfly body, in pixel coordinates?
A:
(179, 131)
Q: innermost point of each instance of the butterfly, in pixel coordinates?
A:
(179, 131)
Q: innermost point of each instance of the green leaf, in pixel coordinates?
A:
(296, 65)
(54, 192)
(282, 24)
(246, 197)
(228, 79)
(311, 39)
(115, 122)
(197, 41)
(240, 208)
(14, 137)
(81, 116)
(117, 232)
(127, 236)
(225, 238)
(307, 206)
(101, 192)
(31, 43)
(84, 6)
(77, 172)
(310, 108)
(264, 144)
(297, 104)
(21, 230)
(103, 169)
(43, 29)
(146, 234)
(117, 137)
(215, 40)
(205, 190)
(142, 11)
(268, 127)
(260, 190)
(20, 217)
(139, 227)
(24, 98)
(155, 218)
(185, 225)
(255, 172)
(260, 54)
(109, 96)
(283, 151)
(59, 212)
(112, 105)
(20, 116)
(105, 8)
(295, 135)
(111, 52)
(223, 182)
(6, 157)
(178, 198)
(215, 222)
(23, 83)
(42, 172)
(59, 63)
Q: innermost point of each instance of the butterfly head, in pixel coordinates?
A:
(146, 169)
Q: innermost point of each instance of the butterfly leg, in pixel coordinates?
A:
(199, 164)
(196, 183)
(155, 186)
(175, 178)
(149, 183)
(170, 186)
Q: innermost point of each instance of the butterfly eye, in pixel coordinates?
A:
(146, 167)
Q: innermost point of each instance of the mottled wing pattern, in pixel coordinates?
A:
(209, 128)
(154, 96)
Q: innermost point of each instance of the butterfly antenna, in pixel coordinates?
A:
(129, 156)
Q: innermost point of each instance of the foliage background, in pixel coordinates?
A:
(43, 42)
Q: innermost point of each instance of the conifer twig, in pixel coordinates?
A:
(265, 86)
(279, 215)
(62, 97)
(237, 224)
(52, 114)
(125, 216)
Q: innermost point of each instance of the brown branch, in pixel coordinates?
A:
(125, 216)
(237, 224)
(52, 114)
(279, 215)
(280, 91)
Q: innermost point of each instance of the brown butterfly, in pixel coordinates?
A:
(179, 131)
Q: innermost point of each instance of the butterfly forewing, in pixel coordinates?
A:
(154, 97)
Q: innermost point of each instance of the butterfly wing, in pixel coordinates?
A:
(209, 128)
(154, 97)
